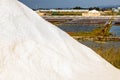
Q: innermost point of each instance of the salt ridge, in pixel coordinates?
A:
(34, 49)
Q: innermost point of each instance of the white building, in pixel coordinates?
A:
(92, 13)
(54, 10)
(115, 9)
(118, 8)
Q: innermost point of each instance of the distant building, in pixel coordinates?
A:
(118, 8)
(41, 14)
(54, 10)
(115, 9)
(93, 13)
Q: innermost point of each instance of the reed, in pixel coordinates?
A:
(112, 55)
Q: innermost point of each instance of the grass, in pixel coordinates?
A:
(53, 13)
(66, 13)
(80, 33)
(112, 55)
(94, 33)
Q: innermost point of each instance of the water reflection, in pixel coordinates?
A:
(115, 30)
(77, 28)
(109, 44)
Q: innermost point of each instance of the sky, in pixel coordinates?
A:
(68, 3)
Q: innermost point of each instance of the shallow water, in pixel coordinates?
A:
(109, 44)
(77, 28)
(115, 30)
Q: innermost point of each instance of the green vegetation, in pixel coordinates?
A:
(94, 33)
(72, 13)
(90, 8)
(78, 7)
(54, 13)
(101, 31)
(112, 55)
(118, 13)
(66, 13)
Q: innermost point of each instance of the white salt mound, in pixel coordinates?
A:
(33, 49)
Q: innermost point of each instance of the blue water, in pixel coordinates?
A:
(115, 30)
(77, 28)
(105, 45)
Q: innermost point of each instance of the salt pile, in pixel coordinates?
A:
(33, 49)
